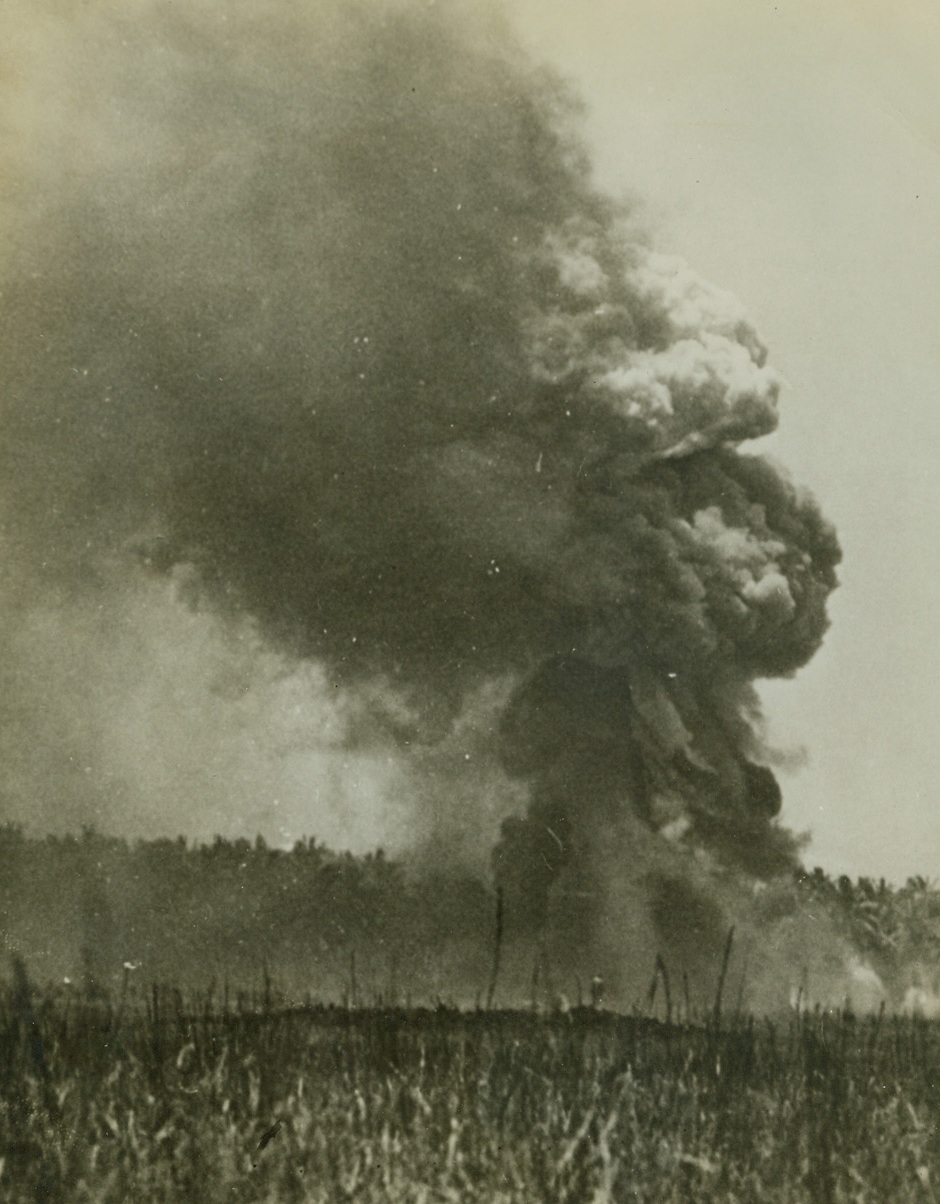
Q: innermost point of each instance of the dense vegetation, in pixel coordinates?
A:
(80, 907)
(333, 925)
(163, 1100)
(897, 928)
(116, 1088)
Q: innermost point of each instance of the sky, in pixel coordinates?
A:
(791, 152)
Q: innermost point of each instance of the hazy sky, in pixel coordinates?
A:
(790, 152)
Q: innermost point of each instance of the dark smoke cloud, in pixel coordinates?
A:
(313, 311)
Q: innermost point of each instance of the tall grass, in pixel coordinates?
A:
(159, 1098)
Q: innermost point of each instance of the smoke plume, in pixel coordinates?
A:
(319, 340)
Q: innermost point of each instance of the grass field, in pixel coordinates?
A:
(159, 1098)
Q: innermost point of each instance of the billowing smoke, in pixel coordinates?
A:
(312, 310)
